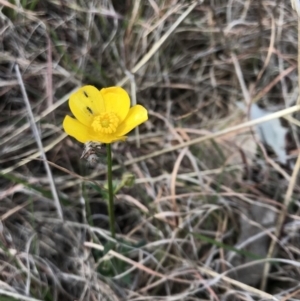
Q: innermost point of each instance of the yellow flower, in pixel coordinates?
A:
(102, 116)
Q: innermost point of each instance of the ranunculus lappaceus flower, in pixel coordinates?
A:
(102, 115)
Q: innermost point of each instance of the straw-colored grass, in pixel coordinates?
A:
(212, 214)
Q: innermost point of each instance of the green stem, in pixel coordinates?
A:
(111, 211)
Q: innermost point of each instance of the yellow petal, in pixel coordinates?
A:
(85, 103)
(76, 129)
(116, 100)
(105, 138)
(136, 115)
(83, 134)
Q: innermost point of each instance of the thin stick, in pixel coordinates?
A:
(16, 296)
(232, 129)
(39, 143)
(283, 213)
(237, 283)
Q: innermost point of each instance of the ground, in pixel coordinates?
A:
(207, 202)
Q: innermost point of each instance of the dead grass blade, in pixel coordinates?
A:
(159, 43)
(233, 129)
(17, 296)
(281, 218)
(39, 143)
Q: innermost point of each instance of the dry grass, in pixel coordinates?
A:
(212, 214)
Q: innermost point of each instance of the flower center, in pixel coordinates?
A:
(105, 123)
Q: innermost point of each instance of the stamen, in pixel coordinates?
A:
(105, 123)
